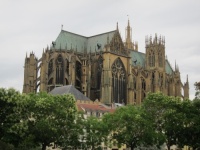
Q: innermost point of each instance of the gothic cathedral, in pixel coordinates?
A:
(105, 68)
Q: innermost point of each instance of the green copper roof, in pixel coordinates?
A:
(168, 68)
(101, 39)
(68, 40)
(138, 58)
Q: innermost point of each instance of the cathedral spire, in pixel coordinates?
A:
(128, 33)
(128, 36)
(128, 23)
(117, 27)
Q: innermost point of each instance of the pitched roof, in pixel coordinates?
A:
(137, 58)
(68, 40)
(69, 89)
(168, 67)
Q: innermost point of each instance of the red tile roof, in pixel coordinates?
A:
(94, 107)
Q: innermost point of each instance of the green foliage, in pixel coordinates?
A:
(27, 121)
(193, 126)
(50, 117)
(167, 115)
(35, 120)
(5, 146)
(73, 135)
(12, 106)
(95, 133)
(131, 126)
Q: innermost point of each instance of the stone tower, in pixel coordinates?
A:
(30, 74)
(155, 62)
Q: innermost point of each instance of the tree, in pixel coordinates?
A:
(74, 136)
(173, 123)
(194, 120)
(5, 146)
(168, 116)
(95, 133)
(130, 126)
(160, 109)
(50, 117)
(194, 126)
(28, 121)
(12, 106)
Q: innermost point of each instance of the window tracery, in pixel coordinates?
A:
(151, 59)
(119, 81)
(78, 75)
(59, 70)
(67, 66)
(160, 60)
(153, 82)
(99, 71)
(143, 92)
(78, 69)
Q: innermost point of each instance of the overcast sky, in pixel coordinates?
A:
(31, 25)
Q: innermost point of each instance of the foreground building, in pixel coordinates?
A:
(105, 68)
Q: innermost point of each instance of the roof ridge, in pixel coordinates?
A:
(138, 52)
(88, 36)
(101, 33)
(73, 33)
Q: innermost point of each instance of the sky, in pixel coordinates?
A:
(31, 25)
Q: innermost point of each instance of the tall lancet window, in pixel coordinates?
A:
(59, 70)
(67, 66)
(99, 71)
(151, 59)
(98, 76)
(135, 88)
(160, 61)
(78, 75)
(118, 82)
(67, 71)
(153, 82)
(143, 92)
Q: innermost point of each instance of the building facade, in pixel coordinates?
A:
(105, 68)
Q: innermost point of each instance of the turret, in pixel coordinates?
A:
(186, 89)
(128, 35)
(155, 52)
(155, 62)
(30, 74)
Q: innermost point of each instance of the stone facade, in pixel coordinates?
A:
(104, 67)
